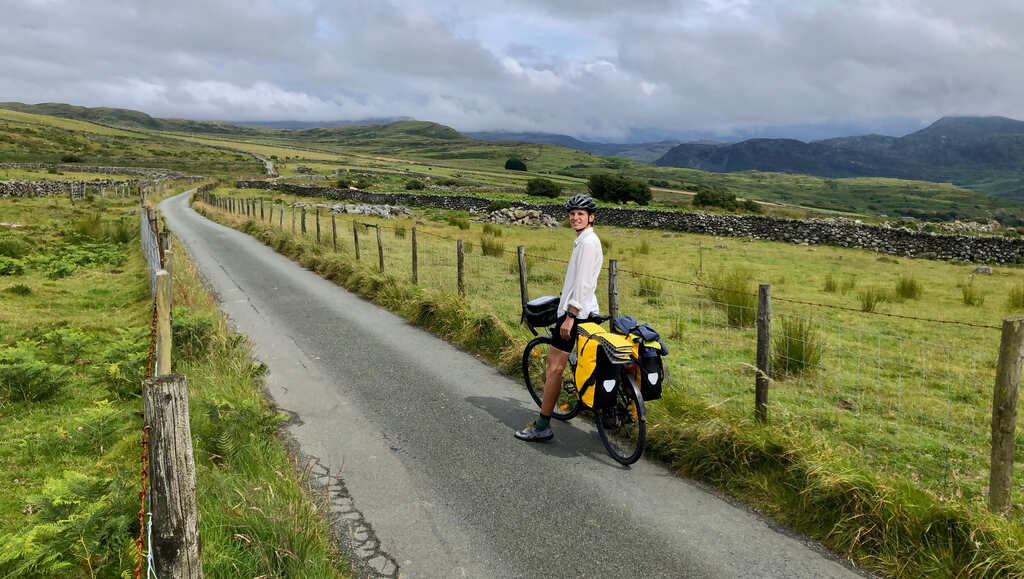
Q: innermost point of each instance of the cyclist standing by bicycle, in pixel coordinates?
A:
(578, 301)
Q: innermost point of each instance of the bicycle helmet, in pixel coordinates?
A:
(581, 201)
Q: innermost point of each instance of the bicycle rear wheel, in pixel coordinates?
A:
(623, 426)
(535, 362)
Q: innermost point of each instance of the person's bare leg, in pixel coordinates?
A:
(557, 360)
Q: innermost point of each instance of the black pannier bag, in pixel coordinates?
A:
(540, 312)
(652, 373)
(603, 382)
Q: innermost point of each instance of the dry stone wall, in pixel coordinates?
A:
(837, 232)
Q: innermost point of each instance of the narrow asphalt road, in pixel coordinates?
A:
(416, 436)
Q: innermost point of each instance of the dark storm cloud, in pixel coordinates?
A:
(597, 69)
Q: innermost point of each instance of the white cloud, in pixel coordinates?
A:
(597, 69)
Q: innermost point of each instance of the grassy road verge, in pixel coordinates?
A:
(75, 314)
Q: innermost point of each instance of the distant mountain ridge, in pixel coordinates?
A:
(981, 153)
(642, 152)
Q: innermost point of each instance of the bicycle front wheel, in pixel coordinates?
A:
(535, 363)
(623, 425)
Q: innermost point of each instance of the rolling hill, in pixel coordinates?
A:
(641, 152)
(981, 153)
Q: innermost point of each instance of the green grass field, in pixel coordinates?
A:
(902, 404)
(75, 310)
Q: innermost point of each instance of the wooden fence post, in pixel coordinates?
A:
(293, 220)
(415, 259)
(1004, 415)
(334, 231)
(355, 237)
(318, 226)
(462, 269)
(302, 222)
(172, 497)
(764, 338)
(163, 323)
(280, 216)
(613, 288)
(524, 295)
(380, 249)
(270, 216)
(262, 217)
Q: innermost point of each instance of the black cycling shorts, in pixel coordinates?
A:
(556, 339)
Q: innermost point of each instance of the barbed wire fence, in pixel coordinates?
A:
(908, 396)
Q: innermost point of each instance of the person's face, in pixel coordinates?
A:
(579, 219)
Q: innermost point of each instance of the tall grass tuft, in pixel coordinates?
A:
(734, 292)
(972, 296)
(460, 222)
(649, 288)
(796, 347)
(848, 285)
(831, 286)
(492, 230)
(399, 232)
(1015, 300)
(908, 288)
(871, 297)
(491, 246)
(645, 247)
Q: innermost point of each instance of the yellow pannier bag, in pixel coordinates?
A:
(598, 352)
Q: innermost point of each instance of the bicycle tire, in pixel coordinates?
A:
(623, 426)
(535, 358)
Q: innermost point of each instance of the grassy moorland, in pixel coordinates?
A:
(34, 138)
(877, 444)
(75, 312)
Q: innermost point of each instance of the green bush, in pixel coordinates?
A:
(414, 185)
(25, 378)
(618, 189)
(908, 288)
(715, 196)
(497, 205)
(734, 292)
(14, 247)
(514, 164)
(796, 347)
(491, 246)
(541, 187)
(70, 159)
(11, 266)
(871, 297)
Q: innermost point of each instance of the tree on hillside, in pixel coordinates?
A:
(514, 164)
(618, 189)
(541, 187)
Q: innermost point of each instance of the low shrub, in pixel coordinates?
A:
(15, 247)
(26, 378)
(414, 185)
(541, 187)
(514, 164)
(796, 347)
(11, 266)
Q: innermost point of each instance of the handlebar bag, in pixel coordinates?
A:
(541, 312)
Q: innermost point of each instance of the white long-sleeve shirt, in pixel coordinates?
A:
(581, 275)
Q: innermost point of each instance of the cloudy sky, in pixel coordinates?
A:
(598, 69)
